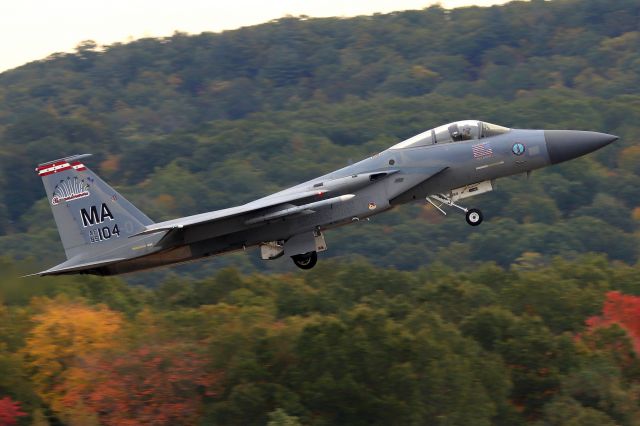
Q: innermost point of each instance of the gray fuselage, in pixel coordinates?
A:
(395, 176)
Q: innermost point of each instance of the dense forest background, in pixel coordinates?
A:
(188, 124)
(513, 322)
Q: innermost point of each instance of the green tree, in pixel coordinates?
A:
(280, 417)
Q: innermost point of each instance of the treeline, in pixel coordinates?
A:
(346, 343)
(188, 124)
(587, 45)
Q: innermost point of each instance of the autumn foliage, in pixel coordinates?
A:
(156, 384)
(622, 310)
(65, 334)
(85, 369)
(347, 343)
(9, 411)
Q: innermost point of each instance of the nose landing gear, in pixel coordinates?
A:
(473, 216)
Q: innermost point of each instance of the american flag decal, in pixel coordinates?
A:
(482, 150)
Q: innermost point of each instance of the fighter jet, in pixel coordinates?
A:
(104, 234)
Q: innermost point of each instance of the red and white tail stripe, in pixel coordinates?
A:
(78, 166)
(59, 166)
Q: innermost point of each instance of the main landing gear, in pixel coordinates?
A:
(473, 216)
(306, 245)
(306, 260)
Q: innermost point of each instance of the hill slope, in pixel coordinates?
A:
(187, 124)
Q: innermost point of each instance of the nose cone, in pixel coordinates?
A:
(564, 145)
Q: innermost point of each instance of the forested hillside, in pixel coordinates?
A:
(412, 318)
(344, 344)
(187, 124)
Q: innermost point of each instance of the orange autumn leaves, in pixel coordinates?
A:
(93, 365)
(152, 384)
(90, 366)
(622, 310)
(65, 334)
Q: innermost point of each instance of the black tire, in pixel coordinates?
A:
(305, 261)
(474, 217)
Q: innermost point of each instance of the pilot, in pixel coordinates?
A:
(454, 132)
(466, 133)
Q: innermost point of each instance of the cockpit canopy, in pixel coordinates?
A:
(453, 132)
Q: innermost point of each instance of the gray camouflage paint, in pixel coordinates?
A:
(390, 178)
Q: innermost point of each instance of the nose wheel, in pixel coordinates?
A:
(473, 216)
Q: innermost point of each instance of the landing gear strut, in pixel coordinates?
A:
(306, 260)
(473, 216)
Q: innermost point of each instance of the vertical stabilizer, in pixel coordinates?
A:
(92, 217)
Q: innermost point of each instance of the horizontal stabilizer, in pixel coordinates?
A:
(71, 267)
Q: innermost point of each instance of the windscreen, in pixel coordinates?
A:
(489, 130)
(453, 132)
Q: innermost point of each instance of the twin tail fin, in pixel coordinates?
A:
(92, 217)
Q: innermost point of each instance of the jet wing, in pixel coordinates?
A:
(284, 200)
(302, 199)
(279, 204)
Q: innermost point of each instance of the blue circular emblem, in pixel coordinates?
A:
(518, 148)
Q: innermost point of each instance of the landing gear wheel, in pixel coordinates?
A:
(306, 260)
(474, 217)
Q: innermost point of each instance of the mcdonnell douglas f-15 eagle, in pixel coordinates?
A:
(104, 234)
